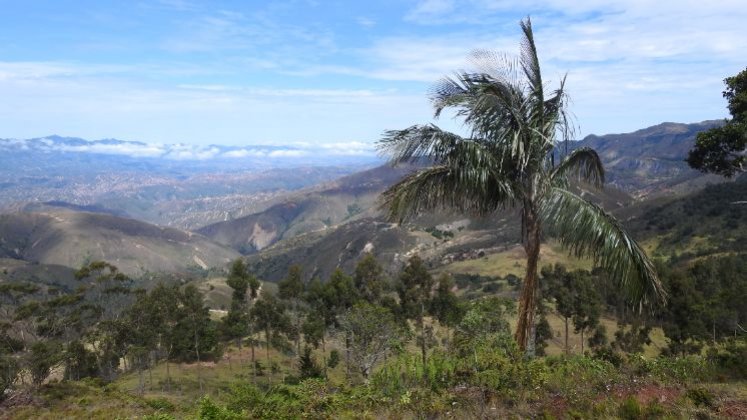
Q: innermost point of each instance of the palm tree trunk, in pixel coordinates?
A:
(528, 294)
(567, 349)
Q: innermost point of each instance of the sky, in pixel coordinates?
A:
(338, 72)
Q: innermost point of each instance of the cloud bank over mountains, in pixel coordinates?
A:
(185, 152)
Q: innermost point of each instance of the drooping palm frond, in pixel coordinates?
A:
(430, 144)
(584, 164)
(587, 230)
(463, 188)
(417, 142)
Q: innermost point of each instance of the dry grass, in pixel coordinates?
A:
(513, 261)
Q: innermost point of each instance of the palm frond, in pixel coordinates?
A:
(530, 62)
(418, 142)
(466, 188)
(587, 230)
(584, 163)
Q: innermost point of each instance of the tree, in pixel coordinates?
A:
(291, 289)
(235, 325)
(341, 295)
(587, 305)
(509, 160)
(372, 332)
(444, 304)
(194, 327)
(558, 283)
(369, 279)
(268, 315)
(163, 309)
(414, 290)
(721, 150)
(307, 367)
(321, 305)
(483, 318)
(682, 319)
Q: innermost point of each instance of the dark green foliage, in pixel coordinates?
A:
(631, 339)
(307, 366)
(268, 315)
(543, 333)
(8, 371)
(708, 303)
(369, 279)
(731, 358)
(483, 318)
(334, 359)
(341, 292)
(44, 356)
(79, 362)
(240, 280)
(444, 305)
(414, 290)
(701, 397)
(440, 234)
(235, 325)
(313, 330)
(576, 297)
(475, 281)
(195, 335)
(712, 213)
(720, 150)
(599, 338)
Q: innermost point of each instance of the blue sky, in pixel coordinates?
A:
(342, 72)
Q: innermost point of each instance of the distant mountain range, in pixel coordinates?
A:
(651, 160)
(321, 216)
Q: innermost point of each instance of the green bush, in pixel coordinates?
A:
(630, 409)
(683, 370)
(160, 404)
(701, 397)
(209, 410)
(730, 359)
(334, 359)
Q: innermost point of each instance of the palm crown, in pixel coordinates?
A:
(509, 160)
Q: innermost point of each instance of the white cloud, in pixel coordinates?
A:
(128, 149)
(287, 153)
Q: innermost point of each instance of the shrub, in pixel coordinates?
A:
(334, 359)
(307, 366)
(680, 369)
(701, 397)
(630, 409)
(730, 358)
(8, 373)
(160, 404)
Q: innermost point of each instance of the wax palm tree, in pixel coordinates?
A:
(509, 160)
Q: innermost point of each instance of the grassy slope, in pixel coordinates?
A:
(73, 238)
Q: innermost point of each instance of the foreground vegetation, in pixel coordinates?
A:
(364, 345)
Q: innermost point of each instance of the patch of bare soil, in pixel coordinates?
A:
(733, 409)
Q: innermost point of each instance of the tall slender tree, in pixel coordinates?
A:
(512, 159)
(414, 290)
(291, 290)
